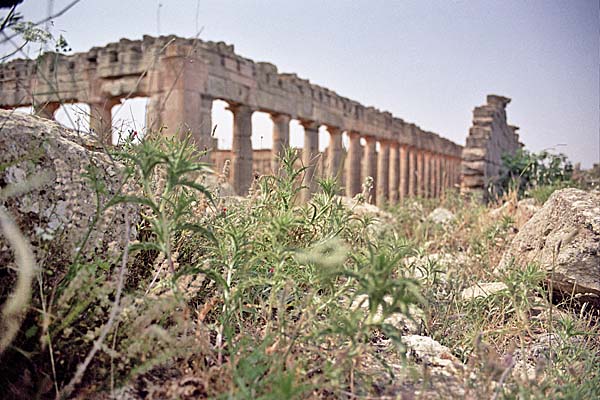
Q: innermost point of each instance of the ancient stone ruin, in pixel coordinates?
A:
(489, 138)
(182, 77)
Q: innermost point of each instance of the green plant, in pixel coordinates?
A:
(525, 173)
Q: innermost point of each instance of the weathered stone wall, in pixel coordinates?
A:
(182, 77)
(489, 138)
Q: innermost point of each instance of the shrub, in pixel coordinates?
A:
(532, 174)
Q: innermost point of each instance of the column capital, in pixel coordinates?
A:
(370, 139)
(280, 118)
(310, 125)
(352, 134)
(334, 130)
(238, 108)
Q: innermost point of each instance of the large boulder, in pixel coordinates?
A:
(57, 177)
(564, 238)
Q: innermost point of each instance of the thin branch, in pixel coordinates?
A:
(58, 14)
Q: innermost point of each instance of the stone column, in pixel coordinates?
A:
(242, 174)
(437, 175)
(383, 173)
(404, 171)
(281, 138)
(101, 119)
(46, 110)
(445, 165)
(353, 165)
(426, 173)
(394, 172)
(370, 163)
(177, 104)
(412, 172)
(334, 153)
(310, 153)
(420, 173)
(432, 188)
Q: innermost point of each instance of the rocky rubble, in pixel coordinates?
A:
(564, 238)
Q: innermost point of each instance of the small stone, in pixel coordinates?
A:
(482, 290)
(441, 216)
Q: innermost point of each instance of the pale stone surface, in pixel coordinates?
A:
(441, 215)
(564, 238)
(482, 290)
(57, 215)
(425, 349)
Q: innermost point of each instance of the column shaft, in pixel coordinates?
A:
(412, 172)
(46, 110)
(310, 153)
(370, 164)
(436, 175)
(383, 173)
(420, 173)
(431, 175)
(334, 153)
(101, 120)
(353, 165)
(241, 149)
(281, 139)
(426, 174)
(404, 171)
(394, 173)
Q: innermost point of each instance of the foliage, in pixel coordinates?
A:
(266, 297)
(533, 174)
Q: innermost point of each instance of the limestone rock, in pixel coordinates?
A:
(441, 216)
(482, 290)
(424, 349)
(56, 213)
(564, 238)
(400, 321)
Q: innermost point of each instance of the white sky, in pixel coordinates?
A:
(429, 62)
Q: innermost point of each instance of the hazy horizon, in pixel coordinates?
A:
(429, 62)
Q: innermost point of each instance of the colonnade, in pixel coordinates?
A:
(399, 170)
